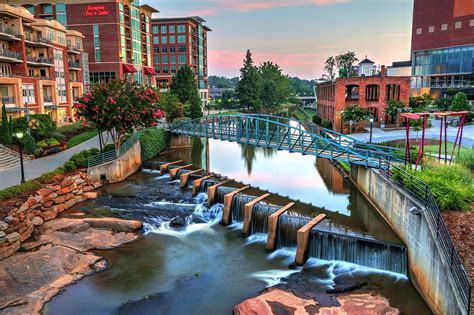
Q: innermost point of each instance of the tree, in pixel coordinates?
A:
(330, 67)
(354, 114)
(171, 105)
(275, 88)
(345, 64)
(5, 134)
(419, 103)
(394, 109)
(444, 103)
(460, 103)
(228, 98)
(248, 88)
(184, 87)
(119, 107)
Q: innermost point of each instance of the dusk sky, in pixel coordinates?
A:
(298, 34)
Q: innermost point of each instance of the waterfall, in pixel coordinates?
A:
(152, 165)
(181, 172)
(222, 191)
(205, 184)
(288, 227)
(238, 204)
(364, 252)
(261, 212)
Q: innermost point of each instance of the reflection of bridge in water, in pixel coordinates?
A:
(282, 134)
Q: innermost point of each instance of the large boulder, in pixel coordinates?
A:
(114, 224)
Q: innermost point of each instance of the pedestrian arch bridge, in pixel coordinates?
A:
(285, 134)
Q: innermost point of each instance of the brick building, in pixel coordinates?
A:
(178, 42)
(443, 46)
(40, 65)
(371, 92)
(117, 32)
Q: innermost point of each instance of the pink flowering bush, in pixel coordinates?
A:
(119, 107)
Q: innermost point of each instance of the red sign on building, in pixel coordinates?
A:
(96, 10)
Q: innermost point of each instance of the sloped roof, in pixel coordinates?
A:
(366, 61)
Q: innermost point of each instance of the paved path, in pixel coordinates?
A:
(37, 167)
(380, 135)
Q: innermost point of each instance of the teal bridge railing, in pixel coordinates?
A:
(113, 155)
(282, 134)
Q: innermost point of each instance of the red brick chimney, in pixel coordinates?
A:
(382, 71)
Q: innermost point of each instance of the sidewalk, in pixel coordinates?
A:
(37, 167)
(379, 135)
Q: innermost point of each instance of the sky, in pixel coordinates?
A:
(299, 35)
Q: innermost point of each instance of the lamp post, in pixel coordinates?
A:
(371, 123)
(19, 136)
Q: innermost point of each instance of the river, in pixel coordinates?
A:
(207, 268)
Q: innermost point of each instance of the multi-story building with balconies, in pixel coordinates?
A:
(40, 65)
(117, 35)
(178, 42)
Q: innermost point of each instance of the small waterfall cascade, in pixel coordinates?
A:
(260, 214)
(288, 227)
(205, 184)
(222, 191)
(238, 205)
(181, 172)
(152, 165)
(362, 251)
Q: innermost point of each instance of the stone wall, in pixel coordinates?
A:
(427, 267)
(118, 170)
(43, 206)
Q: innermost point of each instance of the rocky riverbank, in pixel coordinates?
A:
(59, 254)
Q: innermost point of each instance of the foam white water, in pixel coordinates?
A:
(256, 238)
(201, 198)
(272, 277)
(288, 254)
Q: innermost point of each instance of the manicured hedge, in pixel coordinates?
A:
(153, 141)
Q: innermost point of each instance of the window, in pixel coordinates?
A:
(156, 50)
(165, 70)
(392, 92)
(431, 29)
(173, 59)
(47, 9)
(164, 29)
(98, 77)
(164, 49)
(182, 59)
(172, 29)
(172, 39)
(419, 31)
(164, 59)
(164, 39)
(471, 22)
(156, 40)
(156, 59)
(31, 8)
(444, 27)
(182, 39)
(95, 29)
(173, 69)
(458, 24)
(156, 29)
(61, 13)
(28, 94)
(172, 49)
(372, 93)
(182, 49)
(181, 28)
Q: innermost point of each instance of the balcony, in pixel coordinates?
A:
(39, 61)
(7, 100)
(73, 49)
(9, 34)
(73, 65)
(34, 41)
(10, 56)
(7, 75)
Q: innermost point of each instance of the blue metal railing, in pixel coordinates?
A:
(115, 154)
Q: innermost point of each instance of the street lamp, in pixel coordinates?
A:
(19, 136)
(371, 123)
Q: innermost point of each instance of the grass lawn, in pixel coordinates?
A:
(300, 114)
(434, 149)
(80, 138)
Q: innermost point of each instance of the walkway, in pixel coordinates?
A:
(380, 135)
(38, 167)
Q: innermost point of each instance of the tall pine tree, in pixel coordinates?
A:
(248, 88)
(5, 134)
(184, 87)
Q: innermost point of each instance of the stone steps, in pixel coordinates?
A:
(8, 159)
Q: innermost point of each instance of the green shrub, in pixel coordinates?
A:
(317, 120)
(44, 127)
(327, 124)
(80, 159)
(70, 166)
(28, 144)
(19, 189)
(153, 141)
(108, 147)
(466, 158)
(78, 139)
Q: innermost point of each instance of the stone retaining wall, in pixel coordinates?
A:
(43, 206)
